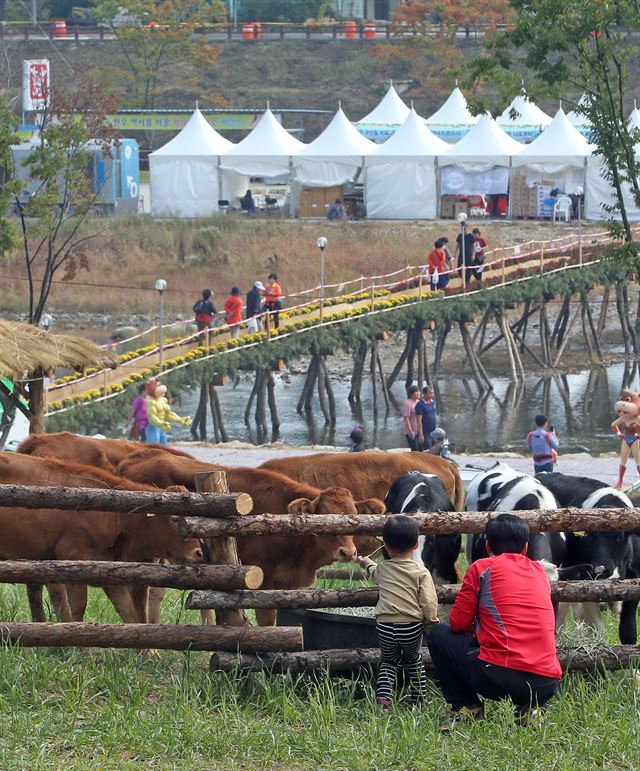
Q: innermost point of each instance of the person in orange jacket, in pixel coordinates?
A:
(233, 311)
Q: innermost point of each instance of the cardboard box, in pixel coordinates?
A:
(460, 206)
(314, 201)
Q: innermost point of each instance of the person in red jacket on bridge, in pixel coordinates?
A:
(500, 639)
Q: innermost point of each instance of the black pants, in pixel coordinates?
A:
(400, 646)
(463, 677)
(413, 442)
(274, 309)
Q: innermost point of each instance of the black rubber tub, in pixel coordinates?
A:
(323, 630)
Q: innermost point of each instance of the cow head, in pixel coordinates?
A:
(336, 500)
(167, 543)
(628, 406)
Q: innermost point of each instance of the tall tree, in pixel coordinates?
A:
(574, 47)
(157, 36)
(46, 198)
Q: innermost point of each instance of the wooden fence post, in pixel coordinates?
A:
(224, 551)
(373, 296)
(542, 259)
(503, 268)
(420, 286)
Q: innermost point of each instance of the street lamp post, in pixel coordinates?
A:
(161, 286)
(579, 191)
(462, 219)
(321, 244)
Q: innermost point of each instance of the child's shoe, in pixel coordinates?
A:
(384, 704)
(464, 715)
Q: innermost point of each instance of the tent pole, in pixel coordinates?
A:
(510, 214)
(220, 195)
(438, 176)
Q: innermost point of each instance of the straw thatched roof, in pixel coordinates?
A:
(26, 348)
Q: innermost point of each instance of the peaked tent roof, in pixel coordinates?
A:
(412, 140)
(197, 138)
(486, 143)
(576, 119)
(634, 117)
(529, 113)
(339, 140)
(391, 110)
(454, 112)
(560, 141)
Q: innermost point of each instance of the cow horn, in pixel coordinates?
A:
(301, 506)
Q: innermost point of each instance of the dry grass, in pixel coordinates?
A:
(228, 251)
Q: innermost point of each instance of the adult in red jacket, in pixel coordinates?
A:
(500, 640)
(233, 311)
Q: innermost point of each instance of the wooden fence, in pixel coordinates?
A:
(228, 588)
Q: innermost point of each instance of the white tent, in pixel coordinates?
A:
(578, 120)
(184, 174)
(384, 120)
(265, 152)
(560, 145)
(479, 162)
(529, 121)
(600, 192)
(334, 157)
(453, 120)
(401, 175)
(634, 117)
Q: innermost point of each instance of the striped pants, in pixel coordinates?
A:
(400, 646)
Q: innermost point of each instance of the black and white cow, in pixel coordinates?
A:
(501, 488)
(611, 555)
(416, 493)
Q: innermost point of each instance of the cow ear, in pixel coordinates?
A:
(301, 506)
(370, 506)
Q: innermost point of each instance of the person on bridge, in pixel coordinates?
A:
(138, 416)
(160, 416)
(233, 311)
(273, 298)
(464, 253)
(254, 307)
(205, 310)
(479, 246)
(436, 261)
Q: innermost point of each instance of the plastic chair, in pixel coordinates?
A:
(223, 206)
(563, 208)
(271, 205)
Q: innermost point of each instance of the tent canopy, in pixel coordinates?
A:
(335, 156)
(529, 114)
(265, 151)
(577, 119)
(560, 145)
(634, 117)
(412, 141)
(197, 139)
(391, 110)
(486, 145)
(454, 112)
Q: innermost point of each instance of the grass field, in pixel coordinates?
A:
(118, 710)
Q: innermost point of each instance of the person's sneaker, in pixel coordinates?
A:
(529, 716)
(464, 715)
(384, 704)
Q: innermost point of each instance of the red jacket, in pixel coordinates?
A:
(506, 601)
(233, 309)
(436, 260)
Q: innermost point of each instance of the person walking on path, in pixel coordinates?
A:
(448, 263)
(233, 311)
(479, 246)
(273, 298)
(544, 445)
(138, 416)
(500, 639)
(436, 262)
(356, 435)
(254, 306)
(426, 410)
(407, 601)
(464, 254)
(205, 310)
(411, 424)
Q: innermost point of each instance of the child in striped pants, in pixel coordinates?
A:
(407, 601)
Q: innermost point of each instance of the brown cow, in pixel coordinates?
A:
(87, 450)
(95, 535)
(288, 562)
(369, 473)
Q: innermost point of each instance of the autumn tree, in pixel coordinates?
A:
(156, 38)
(567, 49)
(433, 53)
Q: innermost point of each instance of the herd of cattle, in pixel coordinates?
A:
(367, 482)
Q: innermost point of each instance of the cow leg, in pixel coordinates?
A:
(140, 601)
(589, 612)
(208, 618)
(77, 594)
(417, 554)
(266, 616)
(154, 601)
(121, 600)
(628, 625)
(36, 605)
(60, 602)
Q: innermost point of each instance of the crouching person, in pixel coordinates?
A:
(406, 602)
(500, 641)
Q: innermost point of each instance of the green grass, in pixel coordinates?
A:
(119, 710)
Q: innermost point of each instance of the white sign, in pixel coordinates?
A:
(35, 85)
(458, 181)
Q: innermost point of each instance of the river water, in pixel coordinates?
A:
(498, 422)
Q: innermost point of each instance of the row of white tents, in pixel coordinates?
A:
(403, 178)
